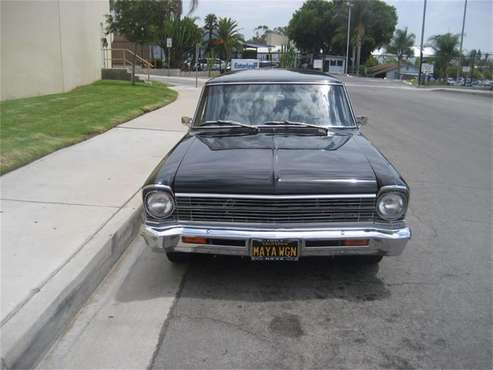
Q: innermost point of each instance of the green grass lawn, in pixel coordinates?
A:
(33, 127)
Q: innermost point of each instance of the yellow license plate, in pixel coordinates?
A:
(274, 250)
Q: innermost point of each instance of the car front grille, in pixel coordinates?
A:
(275, 209)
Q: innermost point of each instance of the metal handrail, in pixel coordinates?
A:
(146, 62)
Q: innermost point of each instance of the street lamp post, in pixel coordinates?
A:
(459, 65)
(421, 47)
(348, 35)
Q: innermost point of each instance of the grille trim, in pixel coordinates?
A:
(261, 196)
(234, 208)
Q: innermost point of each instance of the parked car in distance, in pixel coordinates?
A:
(216, 64)
(268, 64)
(274, 167)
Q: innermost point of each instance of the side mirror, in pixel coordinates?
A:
(362, 120)
(187, 121)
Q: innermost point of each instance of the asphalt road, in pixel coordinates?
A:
(429, 308)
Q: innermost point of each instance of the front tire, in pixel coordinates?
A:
(178, 257)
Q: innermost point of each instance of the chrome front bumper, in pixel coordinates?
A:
(383, 240)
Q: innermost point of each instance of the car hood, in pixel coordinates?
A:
(275, 164)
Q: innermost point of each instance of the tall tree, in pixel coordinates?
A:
(320, 24)
(401, 45)
(134, 20)
(185, 34)
(228, 37)
(260, 34)
(141, 22)
(283, 30)
(167, 11)
(485, 59)
(374, 23)
(312, 26)
(446, 49)
(474, 60)
(210, 28)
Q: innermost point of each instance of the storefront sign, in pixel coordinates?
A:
(239, 64)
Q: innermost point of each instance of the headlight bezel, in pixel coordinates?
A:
(402, 192)
(150, 190)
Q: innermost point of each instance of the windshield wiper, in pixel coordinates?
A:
(294, 123)
(221, 122)
(343, 127)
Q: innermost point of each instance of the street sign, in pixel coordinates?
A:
(240, 64)
(169, 42)
(466, 69)
(317, 64)
(427, 68)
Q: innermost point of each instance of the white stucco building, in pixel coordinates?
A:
(50, 46)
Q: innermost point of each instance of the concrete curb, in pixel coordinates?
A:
(28, 334)
(178, 78)
(463, 91)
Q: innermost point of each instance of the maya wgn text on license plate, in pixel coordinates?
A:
(273, 249)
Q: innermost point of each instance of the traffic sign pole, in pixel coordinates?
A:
(169, 44)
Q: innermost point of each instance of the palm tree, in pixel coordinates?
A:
(474, 61)
(178, 5)
(360, 15)
(445, 47)
(210, 27)
(401, 45)
(260, 33)
(228, 36)
(185, 34)
(372, 25)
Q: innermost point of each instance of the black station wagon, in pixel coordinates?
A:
(274, 167)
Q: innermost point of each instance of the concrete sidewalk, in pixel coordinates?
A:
(53, 208)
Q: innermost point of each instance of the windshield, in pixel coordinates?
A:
(256, 104)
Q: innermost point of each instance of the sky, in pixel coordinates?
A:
(442, 16)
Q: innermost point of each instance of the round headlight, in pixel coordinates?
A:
(159, 204)
(391, 205)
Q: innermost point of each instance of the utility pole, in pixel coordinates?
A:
(348, 37)
(459, 65)
(421, 47)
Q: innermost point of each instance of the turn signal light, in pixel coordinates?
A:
(356, 242)
(193, 240)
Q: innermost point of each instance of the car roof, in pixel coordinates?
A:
(274, 76)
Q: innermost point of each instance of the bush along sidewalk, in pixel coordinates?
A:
(33, 127)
